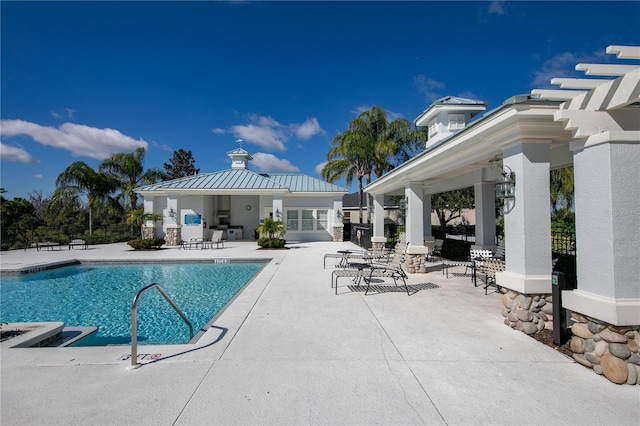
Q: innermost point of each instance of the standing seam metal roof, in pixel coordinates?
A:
(243, 179)
(303, 183)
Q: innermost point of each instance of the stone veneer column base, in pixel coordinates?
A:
(148, 232)
(612, 351)
(529, 313)
(415, 263)
(173, 236)
(377, 246)
(609, 350)
(338, 232)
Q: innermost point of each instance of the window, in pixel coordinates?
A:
(292, 220)
(456, 121)
(307, 220)
(433, 127)
(323, 219)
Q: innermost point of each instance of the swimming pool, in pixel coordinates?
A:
(101, 296)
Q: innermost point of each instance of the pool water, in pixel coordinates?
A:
(101, 296)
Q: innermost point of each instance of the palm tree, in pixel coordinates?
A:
(366, 147)
(138, 217)
(347, 160)
(128, 170)
(79, 178)
(383, 138)
(562, 191)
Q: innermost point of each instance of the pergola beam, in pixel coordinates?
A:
(578, 83)
(625, 52)
(606, 70)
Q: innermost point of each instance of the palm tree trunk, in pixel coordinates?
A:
(90, 222)
(360, 192)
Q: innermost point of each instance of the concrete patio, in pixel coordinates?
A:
(289, 351)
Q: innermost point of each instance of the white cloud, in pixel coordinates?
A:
(270, 163)
(218, 131)
(80, 140)
(429, 88)
(38, 176)
(65, 111)
(319, 168)
(16, 154)
(308, 129)
(163, 147)
(360, 109)
(562, 65)
(271, 135)
(265, 132)
(391, 115)
(497, 8)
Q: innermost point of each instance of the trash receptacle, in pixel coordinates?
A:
(361, 235)
(560, 317)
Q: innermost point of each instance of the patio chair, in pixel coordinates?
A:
(193, 242)
(500, 253)
(216, 238)
(435, 249)
(488, 270)
(476, 257)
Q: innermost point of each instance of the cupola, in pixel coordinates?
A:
(239, 158)
(447, 116)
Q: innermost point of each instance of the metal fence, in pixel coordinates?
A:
(22, 238)
(563, 243)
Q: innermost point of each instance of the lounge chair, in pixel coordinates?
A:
(216, 238)
(366, 271)
(344, 257)
(391, 270)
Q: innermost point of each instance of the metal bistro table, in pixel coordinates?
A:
(360, 266)
(344, 260)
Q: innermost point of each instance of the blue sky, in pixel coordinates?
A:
(83, 80)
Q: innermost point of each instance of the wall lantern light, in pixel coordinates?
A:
(506, 185)
(339, 214)
(278, 214)
(403, 203)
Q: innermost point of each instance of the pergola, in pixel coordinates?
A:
(592, 124)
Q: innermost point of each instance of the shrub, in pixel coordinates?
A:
(266, 242)
(146, 244)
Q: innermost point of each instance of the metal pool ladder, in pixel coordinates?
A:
(134, 320)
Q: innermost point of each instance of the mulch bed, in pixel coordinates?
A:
(8, 334)
(546, 337)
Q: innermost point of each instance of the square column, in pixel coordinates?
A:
(415, 234)
(485, 201)
(607, 202)
(527, 220)
(426, 218)
(378, 220)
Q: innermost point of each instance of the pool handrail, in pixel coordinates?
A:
(134, 320)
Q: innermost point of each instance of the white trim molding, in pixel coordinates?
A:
(618, 312)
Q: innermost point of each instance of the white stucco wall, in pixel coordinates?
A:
(298, 203)
(606, 237)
